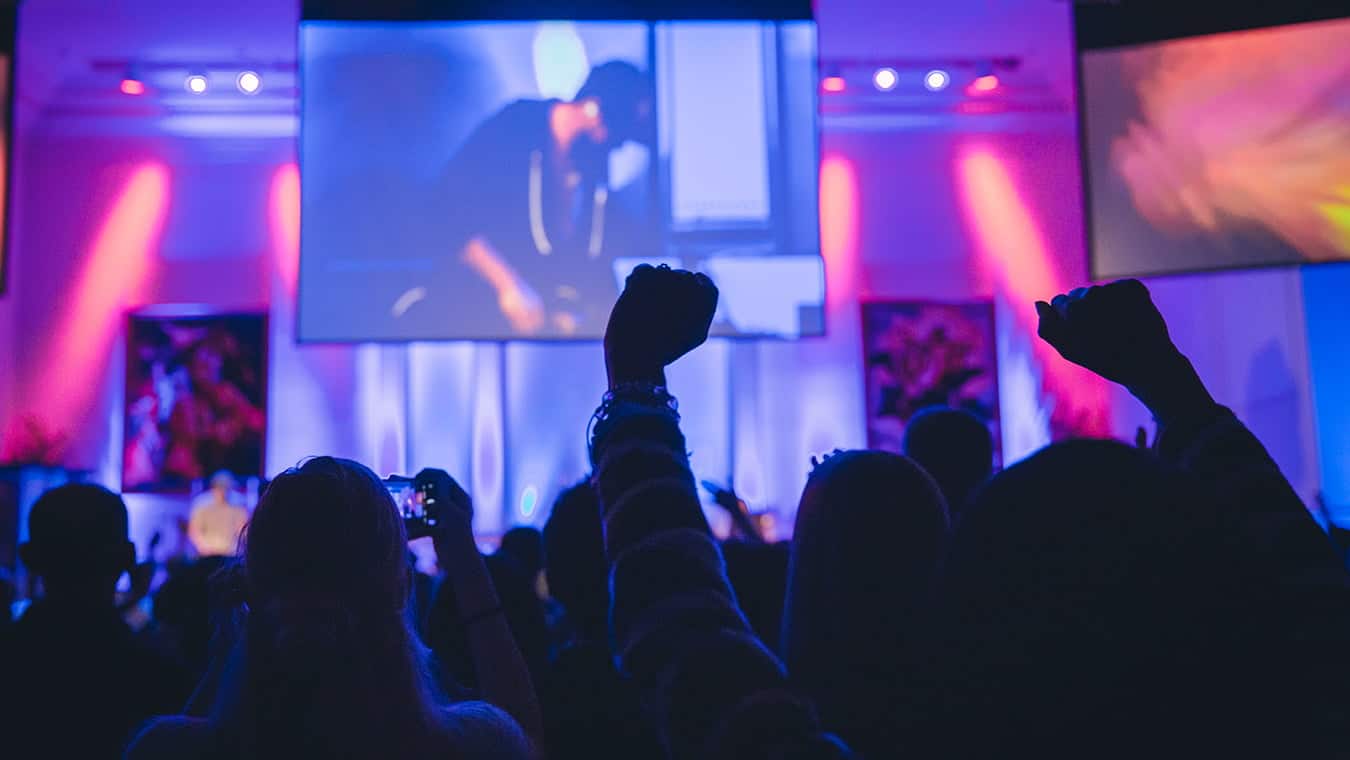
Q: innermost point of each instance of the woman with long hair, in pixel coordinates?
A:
(328, 664)
(870, 535)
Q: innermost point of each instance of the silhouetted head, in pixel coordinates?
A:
(955, 447)
(327, 534)
(574, 557)
(331, 662)
(625, 99)
(77, 542)
(870, 535)
(525, 547)
(1079, 586)
(185, 604)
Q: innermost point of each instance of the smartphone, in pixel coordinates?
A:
(411, 501)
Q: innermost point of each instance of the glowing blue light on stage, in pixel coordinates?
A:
(529, 499)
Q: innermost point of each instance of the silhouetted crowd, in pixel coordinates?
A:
(1095, 600)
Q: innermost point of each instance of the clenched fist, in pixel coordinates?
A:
(1117, 332)
(1113, 330)
(661, 315)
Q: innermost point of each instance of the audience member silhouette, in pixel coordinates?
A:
(524, 546)
(1095, 600)
(329, 665)
(714, 689)
(524, 614)
(870, 536)
(78, 681)
(758, 573)
(188, 614)
(589, 710)
(1104, 600)
(956, 448)
(576, 567)
(1079, 603)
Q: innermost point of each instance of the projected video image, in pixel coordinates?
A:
(498, 180)
(1230, 150)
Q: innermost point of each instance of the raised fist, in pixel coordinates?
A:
(1113, 330)
(661, 315)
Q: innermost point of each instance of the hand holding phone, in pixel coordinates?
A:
(411, 506)
(430, 501)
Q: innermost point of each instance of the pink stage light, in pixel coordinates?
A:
(114, 271)
(284, 207)
(833, 84)
(1022, 267)
(132, 87)
(839, 216)
(1005, 230)
(983, 85)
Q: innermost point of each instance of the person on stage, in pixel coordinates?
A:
(527, 200)
(216, 523)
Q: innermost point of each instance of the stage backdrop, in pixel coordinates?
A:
(195, 399)
(920, 354)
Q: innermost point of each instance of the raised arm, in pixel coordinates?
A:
(1294, 600)
(675, 621)
(1116, 331)
(502, 674)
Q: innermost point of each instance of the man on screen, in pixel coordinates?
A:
(531, 221)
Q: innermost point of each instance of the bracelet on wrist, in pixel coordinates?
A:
(648, 395)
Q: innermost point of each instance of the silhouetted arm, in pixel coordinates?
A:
(675, 619)
(1294, 592)
(1117, 332)
(503, 677)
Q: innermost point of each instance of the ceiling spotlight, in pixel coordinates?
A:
(885, 79)
(985, 84)
(130, 86)
(248, 82)
(936, 80)
(834, 83)
(196, 84)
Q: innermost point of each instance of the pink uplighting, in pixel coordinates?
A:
(284, 214)
(839, 204)
(984, 85)
(115, 268)
(1014, 253)
(132, 87)
(833, 84)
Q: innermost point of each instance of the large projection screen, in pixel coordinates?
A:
(1218, 151)
(498, 179)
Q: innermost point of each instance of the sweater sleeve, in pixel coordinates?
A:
(1294, 603)
(677, 628)
(1266, 513)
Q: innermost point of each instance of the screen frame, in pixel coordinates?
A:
(1105, 27)
(545, 10)
(732, 10)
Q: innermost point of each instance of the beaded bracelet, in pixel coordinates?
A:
(644, 394)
